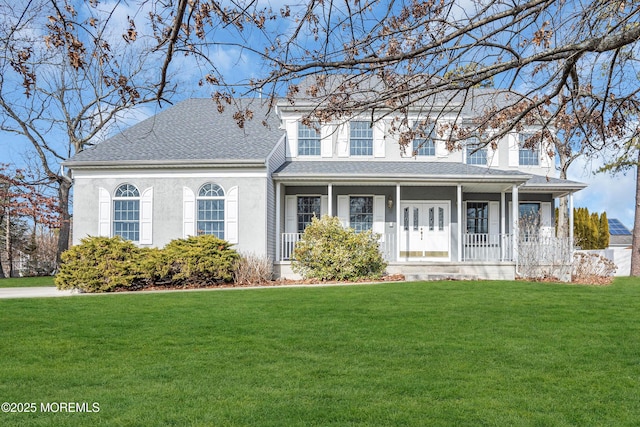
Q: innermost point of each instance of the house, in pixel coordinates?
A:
(619, 235)
(190, 170)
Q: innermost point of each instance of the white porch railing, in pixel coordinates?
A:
(487, 247)
(288, 243)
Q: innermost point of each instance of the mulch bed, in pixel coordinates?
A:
(272, 283)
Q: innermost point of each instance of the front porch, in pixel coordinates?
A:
(441, 221)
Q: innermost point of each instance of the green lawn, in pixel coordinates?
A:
(24, 282)
(416, 354)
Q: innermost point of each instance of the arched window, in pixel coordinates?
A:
(211, 210)
(126, 212)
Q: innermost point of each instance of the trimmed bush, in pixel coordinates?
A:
(328, 251)
(99, 264)
(201, 259)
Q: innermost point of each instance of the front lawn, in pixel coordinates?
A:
(26, 282)
(442, 353)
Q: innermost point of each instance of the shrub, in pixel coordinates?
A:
(328, 251)
(99, 264)
(591, 268)
(201, 259)
(251, 269)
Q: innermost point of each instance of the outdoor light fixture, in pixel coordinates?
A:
(390, 202)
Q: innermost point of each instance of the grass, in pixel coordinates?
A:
(24, 282)
(442, 353)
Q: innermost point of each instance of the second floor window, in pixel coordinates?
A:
(424, 145)
(476, 154)
(361, 139)
(308, 141)
(528, 156)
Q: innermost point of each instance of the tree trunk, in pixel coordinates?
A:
(65, 218)
(563, 217)
(563, 203)
(635, 246)
(9, 247)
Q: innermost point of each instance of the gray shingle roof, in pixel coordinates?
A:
(545, 182)
(472, 101)
(407, 169)
(192, 131)
(421, 171)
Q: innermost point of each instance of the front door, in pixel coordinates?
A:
(424, 231)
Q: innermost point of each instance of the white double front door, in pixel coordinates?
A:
(424, 231)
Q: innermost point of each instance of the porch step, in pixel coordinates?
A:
(427, 277)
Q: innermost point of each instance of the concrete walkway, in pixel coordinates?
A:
(34, 292)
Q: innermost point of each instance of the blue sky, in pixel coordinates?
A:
(613, 194)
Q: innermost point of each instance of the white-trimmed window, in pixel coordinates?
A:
(424, 145)
(477, 217)
(126, 212)
(476, 154)
(308, 208)
(528, 156)
(211, 210)
(308, 141)
(361, 213)
(360, 139)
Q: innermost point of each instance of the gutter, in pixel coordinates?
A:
(403, 178)
(168, 164)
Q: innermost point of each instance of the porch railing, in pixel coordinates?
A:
(475, 247)
(487, 247)
(288, 241)
(287, 245)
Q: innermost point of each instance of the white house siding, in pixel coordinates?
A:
(167, 210)
(335, 145)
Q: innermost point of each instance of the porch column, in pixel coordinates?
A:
(503, 224)
(571, 222)
(459, 210)
(330, 199)
(398, 213)
(278, 219)
(515, 214)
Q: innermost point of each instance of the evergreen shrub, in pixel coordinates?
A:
(201, 259)
(102, 264)
(328, 251)
(99, 264)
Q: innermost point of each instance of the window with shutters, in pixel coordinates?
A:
(361, 139)
(361, 213)
(126, 212)
(308, 208)
(211, 210)
(477, 217)
(308, 140)
(528, 155)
